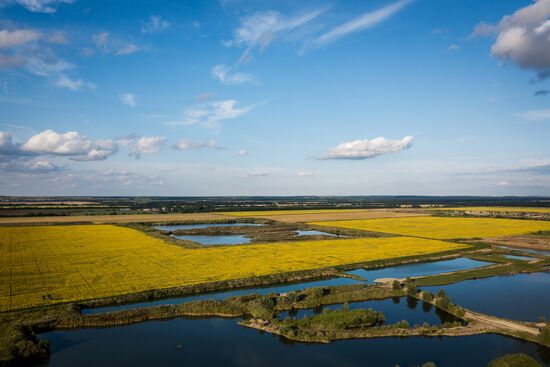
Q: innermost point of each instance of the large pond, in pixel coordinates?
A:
(221, 342)
(518, 297)
(234, 239)
(205, 225)
(395, 309)
(227, 294)
(419, 269)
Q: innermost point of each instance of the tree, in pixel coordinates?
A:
(427, 296)
(396, 285)
(412, 290)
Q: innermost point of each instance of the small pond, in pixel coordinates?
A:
(419, 269)
(518, 297)
(313, 232)
(518, 257)
(221, 342)
(533, 251)
(395, 309)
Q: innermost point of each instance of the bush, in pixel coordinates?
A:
(396, 285)
(412, 290)
(427, 296)
(514, 360)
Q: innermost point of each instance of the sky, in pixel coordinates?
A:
(238, 97)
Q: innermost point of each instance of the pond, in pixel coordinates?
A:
(226, 294)
(419, 269)
(176, 227)
(395, 309)
(313, 232)
(518, 257)
(234, 239)
(221, 342)
(531, 250)
(519, 297)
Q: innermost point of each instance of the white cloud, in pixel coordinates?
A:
(210, 114)
(70, 144)
(128, 99)
(242, 152)
(18, 37)
(504, 183)
(42, 6)
(305, 174)
(453, 47)
(186, 144)
(155, 24)
(483, 29)
(262, 173)
(7, 143)
(363, 149)
(26, 165)
(108, 46)
(533, 115)
(223, 74)
(147, 145)
(523, 37)
(56, 71)
(365, 21)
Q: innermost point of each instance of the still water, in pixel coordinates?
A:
(419, 269)
(395, 309)
(235, 239)
(519, 297)
(221, 342)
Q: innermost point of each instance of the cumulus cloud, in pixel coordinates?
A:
(147, 145)
(42, 6)
(7, 143)
(362, 22)
(129, 99)
(27, 165)
(534, 115)
(363, 149)
(212, 113)
(71, 144)
(523, 38)
(186, 144)
(154, 24)
(223, 74)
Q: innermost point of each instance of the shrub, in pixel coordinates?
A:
(396, 285)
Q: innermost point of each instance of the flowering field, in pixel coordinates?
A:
(44, 265)
(509, 209)
(443, 227)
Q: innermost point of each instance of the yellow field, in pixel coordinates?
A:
(54, 264)
(510, 209)
(444, 228)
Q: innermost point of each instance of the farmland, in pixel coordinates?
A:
(443, 228)
(55, 264)
(502, 209)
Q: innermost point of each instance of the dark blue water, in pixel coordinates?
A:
(227, 294)
(236, 239)
(518, 257)
(395, 309)
(519, 297)
(206, 225)
(221, 342)
(419, 269)
(533, 251)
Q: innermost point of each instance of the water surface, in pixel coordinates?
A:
(313, 232)
(221, 342)
(395, 309)
(518, 257)
(419, 269)
(533, 251)
(227, 294)
(519, 297)
(234, 239)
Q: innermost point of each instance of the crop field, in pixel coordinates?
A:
(43, 265)
(443, 227)
(509, 209)
(295, 216)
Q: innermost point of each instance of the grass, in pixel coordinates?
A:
(43, 265)
(290, 212)
(443, 227)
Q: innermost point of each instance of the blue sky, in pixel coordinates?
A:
(274, 98)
